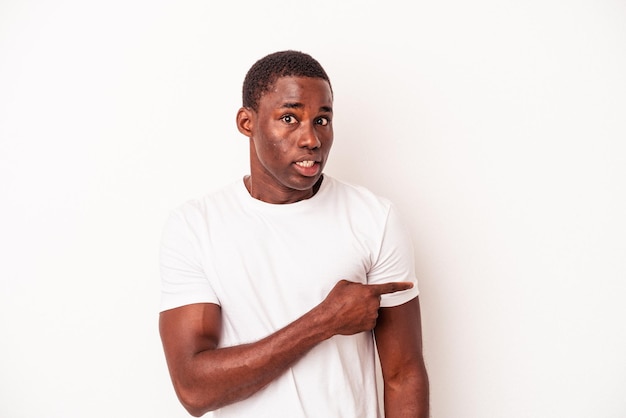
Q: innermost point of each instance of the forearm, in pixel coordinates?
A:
(407, 395)
(213, 378)
(207, 377)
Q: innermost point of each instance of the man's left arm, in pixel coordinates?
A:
(398, 334)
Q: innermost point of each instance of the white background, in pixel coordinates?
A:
(497, 127)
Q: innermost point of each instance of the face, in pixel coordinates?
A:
(290, 137)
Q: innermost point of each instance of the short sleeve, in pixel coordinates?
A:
(183, 280)
(395, 261)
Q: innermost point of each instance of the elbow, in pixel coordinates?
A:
(414, 375)
(194, 410)
(194, 407)
(195, 403)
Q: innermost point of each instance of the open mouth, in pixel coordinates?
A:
(305, 164)
(308, 168)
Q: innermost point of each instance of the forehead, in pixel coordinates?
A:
(303, 90)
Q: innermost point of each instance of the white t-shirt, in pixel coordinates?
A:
(266, 265)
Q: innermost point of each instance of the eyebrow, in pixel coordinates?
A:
(297, 105)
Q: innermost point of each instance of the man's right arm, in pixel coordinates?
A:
(206, 377)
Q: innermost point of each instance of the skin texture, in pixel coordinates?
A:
(293, 124)
(398, 338)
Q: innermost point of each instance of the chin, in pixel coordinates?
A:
(301, 186)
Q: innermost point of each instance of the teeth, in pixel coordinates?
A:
(305, 163)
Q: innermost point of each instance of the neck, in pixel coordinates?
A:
(279, 196)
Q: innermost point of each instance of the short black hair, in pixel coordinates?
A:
(264, 73)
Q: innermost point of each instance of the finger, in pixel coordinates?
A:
(390, 287)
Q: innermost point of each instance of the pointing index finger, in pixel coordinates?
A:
(391, 287)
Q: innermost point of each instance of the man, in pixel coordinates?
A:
(271, 287)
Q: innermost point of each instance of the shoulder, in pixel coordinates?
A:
(211, 202)
(358, 196)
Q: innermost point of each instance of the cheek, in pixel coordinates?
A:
(271, 142)
(271, 152)
(278, 147)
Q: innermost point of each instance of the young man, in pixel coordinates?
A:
(272, 286)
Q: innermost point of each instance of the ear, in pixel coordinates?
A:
(245, 121)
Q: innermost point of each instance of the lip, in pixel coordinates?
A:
(308, 171)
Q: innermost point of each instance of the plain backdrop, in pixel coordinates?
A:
(497, 127)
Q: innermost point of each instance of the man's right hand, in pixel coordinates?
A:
(353, 307)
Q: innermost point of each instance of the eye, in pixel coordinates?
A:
(323, 121)
(289, 119)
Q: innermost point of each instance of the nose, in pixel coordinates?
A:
(309, 138)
